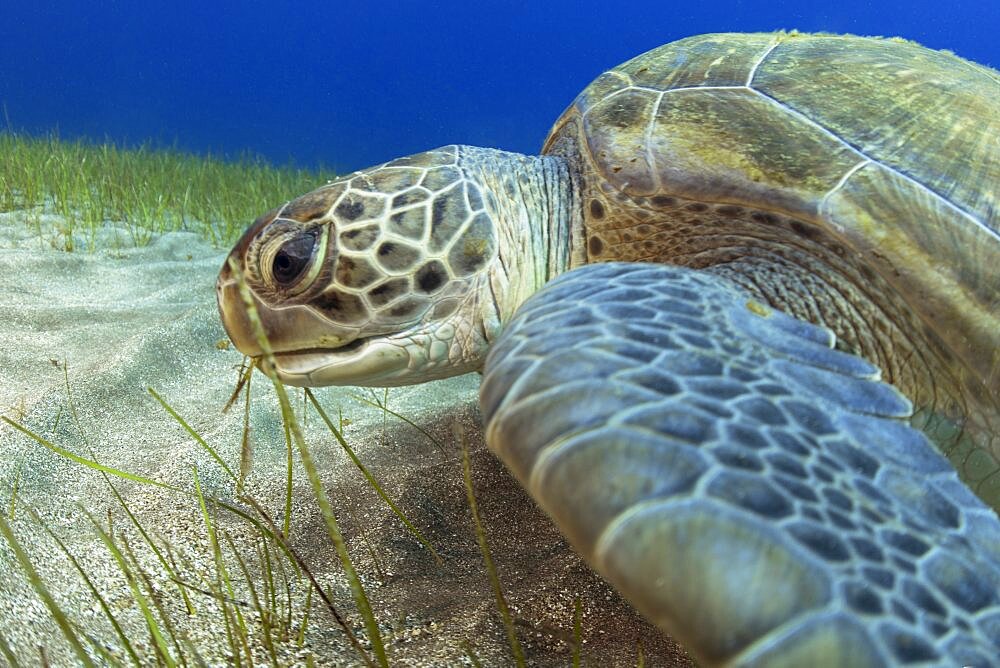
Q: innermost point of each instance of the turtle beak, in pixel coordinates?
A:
(232, 310)
(288, 329)
(233, 314)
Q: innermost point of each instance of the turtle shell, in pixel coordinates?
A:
(887, 151)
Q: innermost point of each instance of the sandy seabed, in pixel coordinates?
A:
(123, 319)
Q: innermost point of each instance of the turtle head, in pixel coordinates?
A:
(380, 278)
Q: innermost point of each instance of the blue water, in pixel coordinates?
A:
(348, 84)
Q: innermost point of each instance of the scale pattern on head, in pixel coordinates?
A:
(373, 253)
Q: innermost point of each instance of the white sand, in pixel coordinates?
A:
(126, 319)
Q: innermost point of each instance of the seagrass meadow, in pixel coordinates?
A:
(759, 487)
(152, 516)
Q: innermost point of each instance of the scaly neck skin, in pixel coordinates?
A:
(535, 209)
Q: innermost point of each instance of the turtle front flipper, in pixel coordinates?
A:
(752, 491)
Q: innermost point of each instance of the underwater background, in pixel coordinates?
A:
(349, 84)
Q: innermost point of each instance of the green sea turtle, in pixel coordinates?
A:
(743, 239)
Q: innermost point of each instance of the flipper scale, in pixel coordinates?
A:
(751, 494)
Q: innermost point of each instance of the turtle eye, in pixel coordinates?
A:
(293, 257)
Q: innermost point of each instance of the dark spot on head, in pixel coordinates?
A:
(341, 306)
(697, 207)
(350, 209)
(663, 201)
(409, 223)
(596, 209)
(430, 277)
(355, 272)
(595, 246)
(396, 256)
(448, 213)
(408, 309)
(804, 230)
(412, 196)
(729, 210)
(474, 248)
(439, 179)
(392, 289)
(359, 239)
